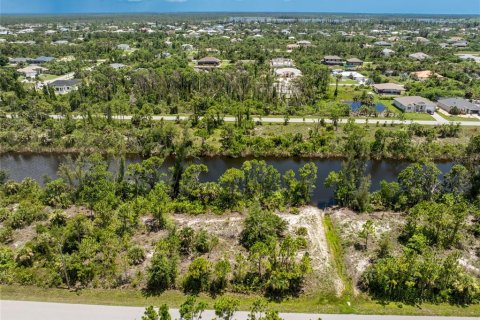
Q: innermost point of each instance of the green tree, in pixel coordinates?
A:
(225, 307)
(191, 309)
(197, 278)
(162, 272)
(367, 231)
(260, 226)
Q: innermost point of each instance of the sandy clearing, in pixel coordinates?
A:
(311, 218)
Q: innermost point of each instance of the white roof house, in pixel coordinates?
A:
(285, 76)
(32, 71)
(123, 46)
(387, 52)
(353, 75)
(281, 63)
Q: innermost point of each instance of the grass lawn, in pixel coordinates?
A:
(312, 303)
(224, 63)
(345, 81)
(456, 118)
(45, 76)
(418, 116)
(345, 93)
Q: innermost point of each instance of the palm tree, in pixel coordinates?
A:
(337, 79)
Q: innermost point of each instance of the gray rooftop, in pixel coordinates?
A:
(459, 103)
(65, 83)
(407, 100)
(332, 58)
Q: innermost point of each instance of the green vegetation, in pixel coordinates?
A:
(312, 304)
(130, 235)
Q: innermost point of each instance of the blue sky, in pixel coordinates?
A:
(359, 6)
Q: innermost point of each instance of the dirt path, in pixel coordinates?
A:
(311, 218)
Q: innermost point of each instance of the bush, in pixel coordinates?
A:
(197, 278)
(136, 255)
(162, 272)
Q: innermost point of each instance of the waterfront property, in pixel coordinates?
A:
(414, 104)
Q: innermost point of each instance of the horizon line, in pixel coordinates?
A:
(238, 12)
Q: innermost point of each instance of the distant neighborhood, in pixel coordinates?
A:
(390, 65)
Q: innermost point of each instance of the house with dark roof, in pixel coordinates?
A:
(462, 105)
(64, 86)
(388, 88)
(208, 63)
(332, 60)
(353, 62)
(41, 59)
(18, 60)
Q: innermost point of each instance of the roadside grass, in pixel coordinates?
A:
(317, 303)
(418, 116)
(456, 118)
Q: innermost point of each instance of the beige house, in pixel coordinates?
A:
(389, 88)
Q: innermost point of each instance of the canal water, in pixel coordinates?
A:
(39, 166)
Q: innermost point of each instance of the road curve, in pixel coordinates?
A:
(27, 310)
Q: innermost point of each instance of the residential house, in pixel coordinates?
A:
(208, 63)
(293, 46)
(350, 75)
(60, 42)
(419, 56)
(285, 77)
(414, 104)
(123, 46)
(353, 62)
(424, 75)
(117, 66)
(41, 59)
(382, 44)
(304, 43)
(281, 63)
(187, 47)
(387, 52)
(64, 86)
(332, 60)
(32, 71)
(469, 57)
(463, 105)
(18, 60)
(460, 44)
(389, 88)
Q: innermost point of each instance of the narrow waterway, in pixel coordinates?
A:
(39, 166)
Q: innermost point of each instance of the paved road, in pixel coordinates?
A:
(439, 120)
(26, 310)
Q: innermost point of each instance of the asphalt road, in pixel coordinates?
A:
(439, 120)
(26, 310)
